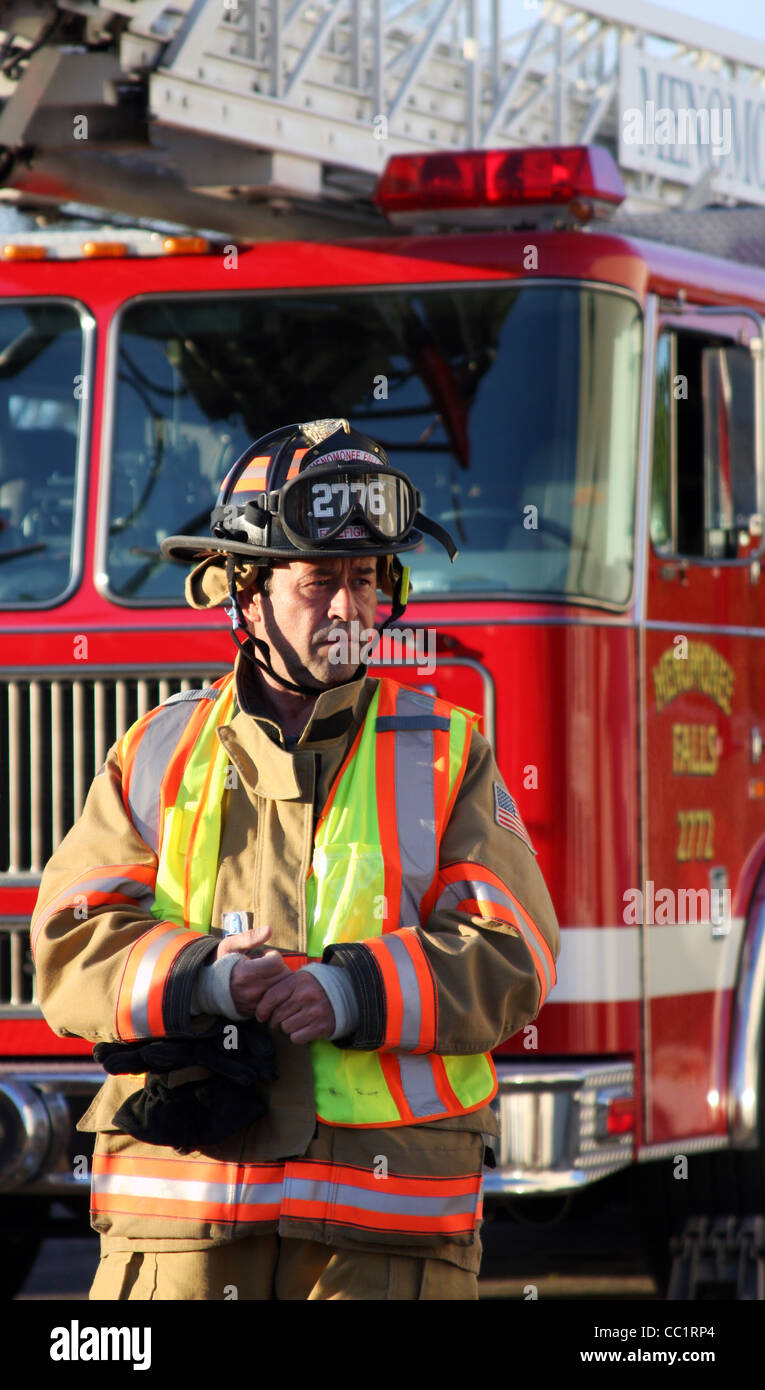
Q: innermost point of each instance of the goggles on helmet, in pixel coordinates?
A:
(312, 489)
(326, 504)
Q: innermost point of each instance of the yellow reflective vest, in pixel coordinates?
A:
(373, 879)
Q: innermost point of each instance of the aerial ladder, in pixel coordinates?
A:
(228, 114)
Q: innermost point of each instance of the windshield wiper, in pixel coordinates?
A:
(22, 550)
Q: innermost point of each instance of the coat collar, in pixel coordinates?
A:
(254, 740)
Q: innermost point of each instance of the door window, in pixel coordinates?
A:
(705, 499)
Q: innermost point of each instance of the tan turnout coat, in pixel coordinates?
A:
(487, 983)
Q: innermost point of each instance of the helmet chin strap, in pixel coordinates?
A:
(400, 595)
(249, 642)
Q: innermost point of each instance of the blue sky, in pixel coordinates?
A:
(747, 16)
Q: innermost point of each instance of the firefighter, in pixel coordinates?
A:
(298, 912)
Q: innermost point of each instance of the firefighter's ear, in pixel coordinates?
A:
(249, 602)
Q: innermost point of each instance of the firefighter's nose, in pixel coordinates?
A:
(343, 605)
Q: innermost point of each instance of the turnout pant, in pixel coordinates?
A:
(271, 1267)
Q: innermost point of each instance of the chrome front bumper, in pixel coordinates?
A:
(40, 1104)
(551, 1115)
(553, 1136)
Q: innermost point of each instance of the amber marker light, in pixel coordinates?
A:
(185, 245)
(96, 249)
(13, 252)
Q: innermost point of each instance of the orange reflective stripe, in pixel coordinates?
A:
(429, 900)
(365, 1180)
(191, 1169)
(440, 779)
(392, 1073)
(184, 1209)
(339, 1215)
(459, 778)
(394, 1003)
(333, 789)
(442, 1084)
(128, 748)
(409, 989)
(201, 808)
(484, 907)
(187, 1189)
(109, 883)
(341, 1194)
(475, 875)
(254, 475)
(173, 774)
(297, 1190)
(141, 992)
(427, 989)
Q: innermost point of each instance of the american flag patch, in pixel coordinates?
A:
(506, 814)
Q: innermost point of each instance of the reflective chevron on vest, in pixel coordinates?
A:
(372, 879)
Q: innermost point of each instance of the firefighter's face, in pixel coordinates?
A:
(307, 615)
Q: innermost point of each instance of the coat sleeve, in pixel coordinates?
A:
(107, 969)
(484, 962)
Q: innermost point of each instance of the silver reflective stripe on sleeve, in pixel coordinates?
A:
(141, 894)
(463, 890)
(139, 998)
(411, 1021)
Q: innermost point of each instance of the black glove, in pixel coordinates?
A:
(200, 1113)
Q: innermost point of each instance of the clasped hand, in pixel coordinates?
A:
(265, 988)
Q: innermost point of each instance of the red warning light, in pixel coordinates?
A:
(580, 178)
(620, 1115)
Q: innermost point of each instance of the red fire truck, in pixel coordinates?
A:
(583, 410)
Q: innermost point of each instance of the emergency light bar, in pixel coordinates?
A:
(65, 244)
(564, 185)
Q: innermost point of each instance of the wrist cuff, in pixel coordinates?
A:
(338, 987)
(360, 965)
(212, 988)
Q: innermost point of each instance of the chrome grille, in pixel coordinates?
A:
(18, 988)
(55, 732)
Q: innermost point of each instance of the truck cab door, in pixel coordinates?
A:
(699, 819)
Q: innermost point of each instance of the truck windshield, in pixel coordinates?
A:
(514, 409)
(41, 399)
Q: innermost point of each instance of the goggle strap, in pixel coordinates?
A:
(432, 528)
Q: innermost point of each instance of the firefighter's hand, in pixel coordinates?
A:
(299, 1006)
(251, 979)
